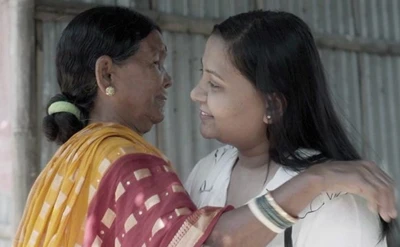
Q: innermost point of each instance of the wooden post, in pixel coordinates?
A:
(22, 75)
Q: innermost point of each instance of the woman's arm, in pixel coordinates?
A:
(239, 227)
(141, 201)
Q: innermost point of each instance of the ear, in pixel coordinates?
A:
(275, 105)
(103, 70)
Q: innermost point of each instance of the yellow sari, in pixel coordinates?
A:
(58, 203)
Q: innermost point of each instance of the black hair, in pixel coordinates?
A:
(106, 30)
(276, 51)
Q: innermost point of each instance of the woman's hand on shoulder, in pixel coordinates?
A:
(363, 178)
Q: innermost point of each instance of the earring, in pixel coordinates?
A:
(110, 91)
(269, 119)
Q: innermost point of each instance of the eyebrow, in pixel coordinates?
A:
(211, 71)
(164, 49)
(157, 50)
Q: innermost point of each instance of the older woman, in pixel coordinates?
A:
(106, 186)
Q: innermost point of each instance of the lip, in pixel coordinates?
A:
(204, 115)
(162, 99)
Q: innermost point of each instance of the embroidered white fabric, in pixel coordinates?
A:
(331, 220)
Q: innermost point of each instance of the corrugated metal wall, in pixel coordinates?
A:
(365, 87)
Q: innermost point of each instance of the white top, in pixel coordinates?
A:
(331, 220)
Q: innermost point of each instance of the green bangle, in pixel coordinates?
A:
(269, 212)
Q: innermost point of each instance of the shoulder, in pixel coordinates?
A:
(113, 148)
(218, 156)
(216, 159)
(211, 164)
(342, 219)
(137, 166)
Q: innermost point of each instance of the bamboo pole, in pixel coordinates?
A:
(186, 24)
(22, 74)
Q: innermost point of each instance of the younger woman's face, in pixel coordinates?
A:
(232, 110)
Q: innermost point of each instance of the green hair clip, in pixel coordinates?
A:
(63, 106)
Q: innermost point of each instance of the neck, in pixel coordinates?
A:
(110, 116)
(256, 156)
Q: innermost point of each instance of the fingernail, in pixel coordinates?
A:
(385, 215)
(387, 218)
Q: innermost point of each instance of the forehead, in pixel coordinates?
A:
(216, 56)
(153, 44)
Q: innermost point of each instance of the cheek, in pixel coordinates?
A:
(152, 84)
(133, 96)
(225, 106)
(253, 111)
(227, 111)
(154, 76)
(237, 112)
(141, 89)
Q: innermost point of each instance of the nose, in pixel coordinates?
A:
(167, 80)
(198, 94)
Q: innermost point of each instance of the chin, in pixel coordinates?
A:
(156, 119)
(207, 134)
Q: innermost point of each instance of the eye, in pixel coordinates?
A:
(158, 64)
(213, 85)
(201, 71)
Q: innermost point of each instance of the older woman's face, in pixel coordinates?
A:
(141, 84)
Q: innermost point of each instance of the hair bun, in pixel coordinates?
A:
(59, 126)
